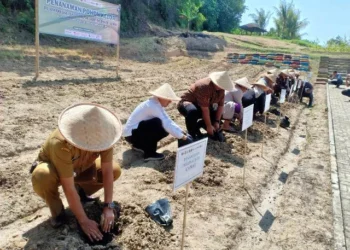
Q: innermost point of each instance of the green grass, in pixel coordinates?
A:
(11, 54)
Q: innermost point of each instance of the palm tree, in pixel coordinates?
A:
(261, 17)
(288, 21)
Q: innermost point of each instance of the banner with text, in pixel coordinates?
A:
(82, 19)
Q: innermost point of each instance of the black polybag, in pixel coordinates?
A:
(181, 143)
(285, 123)
(218, 136)
(160, 212)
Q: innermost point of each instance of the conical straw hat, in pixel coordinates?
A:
(222, 79)
(165, 92)
(261, 83)
(271, 77)
(273, 71)
(244, 82)
(90, 127)
(285, 72)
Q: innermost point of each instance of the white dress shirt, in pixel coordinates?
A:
(258, 91)
(148, 110)
(232, 96)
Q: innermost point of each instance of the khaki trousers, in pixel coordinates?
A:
(45, 181)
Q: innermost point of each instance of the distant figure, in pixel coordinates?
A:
(256, 96)
(233, 103)
(336, 79)
(270, 79)
(347, 91)
(282, 82)
(307, 91)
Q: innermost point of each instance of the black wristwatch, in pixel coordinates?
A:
(110, 205)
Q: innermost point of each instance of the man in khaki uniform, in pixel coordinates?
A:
(79, 152)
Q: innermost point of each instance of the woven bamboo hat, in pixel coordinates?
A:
(271, 77)
(165, 92)
(285, 72)
(222, 79)
(244, 82)
(90, 127)
(261, 84)
(273, 71)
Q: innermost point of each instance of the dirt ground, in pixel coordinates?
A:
(286, 202)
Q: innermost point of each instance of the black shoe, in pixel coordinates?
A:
(59, 220)
(83, 197)
(154, 157)
(138, 149)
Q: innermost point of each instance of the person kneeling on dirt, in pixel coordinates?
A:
(233, 103)
(307, 91)
(79, 156)
(256, 96)
(270, 79)
(281, 82)
(346, 92)
(347, 80)
(336, 79)
(203, 104)
(149, 123)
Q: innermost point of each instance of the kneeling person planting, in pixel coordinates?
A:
(203, 104)
(149, 123)
(79, 155)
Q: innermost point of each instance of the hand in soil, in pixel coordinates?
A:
(108, 221)
(90, 228)
(210, 130)
(216, 126)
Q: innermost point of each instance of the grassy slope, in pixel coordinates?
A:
(18, 44)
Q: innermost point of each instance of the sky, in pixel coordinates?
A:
(327, 18)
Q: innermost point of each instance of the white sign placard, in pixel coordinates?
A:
(283, 95)
(267, 103)
(190, 162)
(299, 83)
(247, 117)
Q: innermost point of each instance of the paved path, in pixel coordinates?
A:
(340, 111)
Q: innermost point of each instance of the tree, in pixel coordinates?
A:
(230, 14)
(338, 41)
(169, 11)
(261, 17)
(288, 21)
(211, 11)
(190, 10)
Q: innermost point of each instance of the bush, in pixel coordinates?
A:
(2, 9)
(25, 20)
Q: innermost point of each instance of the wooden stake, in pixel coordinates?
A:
(245, 155)
(185, 215)
(263, 139)
(279, 122)
(117, 68)
(36, 39)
